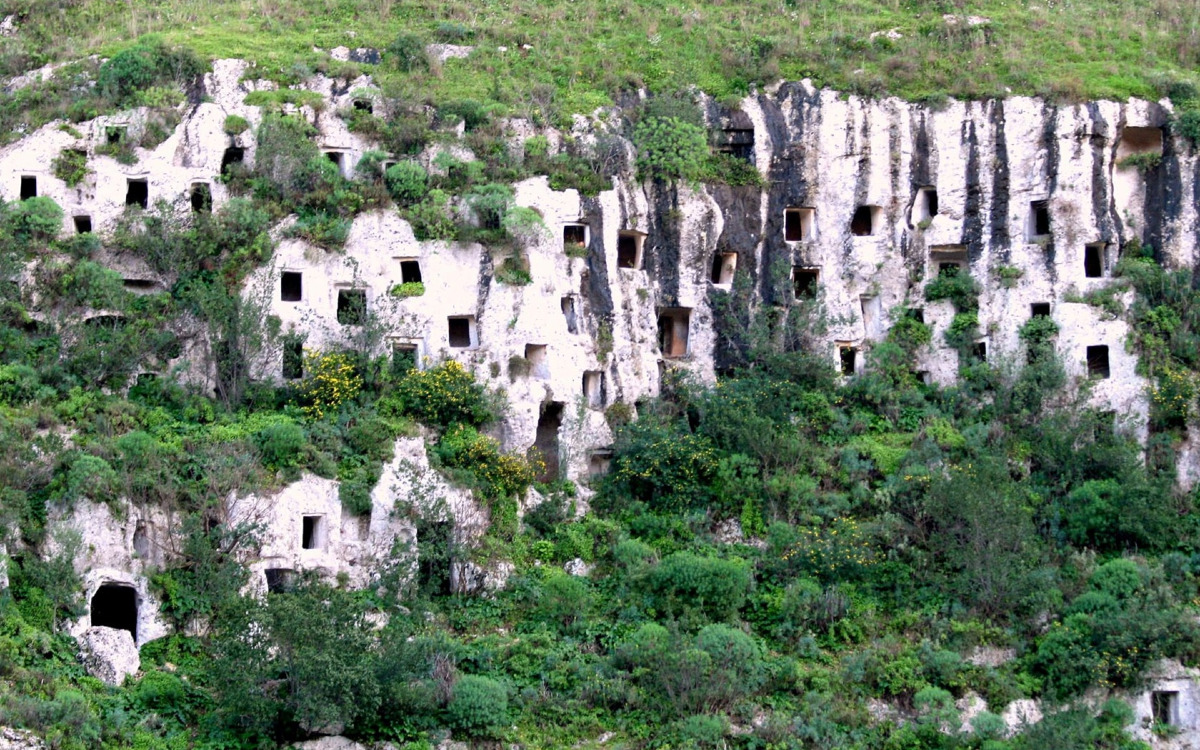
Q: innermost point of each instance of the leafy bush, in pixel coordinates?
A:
(669, 148)
(70, 166)
(496, 475)
(407, 53)
(331, 380)
(407, 289)
(666, 468)
(958, 287)
(91, 477)
(431, 219)
(688, 584)
(479, 706)
(148, 63)
(34, 220)
(280, 444)
(441, 396)
(406, 182)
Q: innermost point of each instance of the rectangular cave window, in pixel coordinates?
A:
(545, 440)
(352, 306)
(593, 388)
(293, 357)
(279, 580)
(804, 282)
(629, 249)
(28, 187)
(291, 286)
(337, 158)
(363, 105)
(574, 238)
(1139, 140)
(948, 259)
(114, 135)
(1097, 362)
(865, 221)
(737, 142)
(201, 198)
(1164, 706)
(83, 224)
(115, 605)
(233, 155)
(673, 329)
(599, 462)
(799, 224)
(137, 193)
(916, 313)
(139, 286)
(847, 359)
(1039, 219)
(312, 532)
(1039, 309)
(404, 358)
(462, 332)
(568, 311)
(925, 206)
(980, 351)
(724, 264)
(872, 316)
(410, 271)
(1093, 260)
(535, 354)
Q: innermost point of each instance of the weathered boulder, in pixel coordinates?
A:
(329, 743)
(109, 654)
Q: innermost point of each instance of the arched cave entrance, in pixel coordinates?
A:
(114, 605)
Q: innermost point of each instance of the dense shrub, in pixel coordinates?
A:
(479, 706)
(149, 63)
(407, 53)
(494, 473)
(406, 182)
(686, 584)
(441, 396)
(663, 466)
(669, 148)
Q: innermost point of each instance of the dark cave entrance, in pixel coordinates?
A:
(114, 605)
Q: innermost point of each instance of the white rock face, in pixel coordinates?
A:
(329, 743)
(109, 654)
(1032, 198)
(1173, 699)
(19, 739)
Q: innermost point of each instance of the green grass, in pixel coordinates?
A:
(583, 53)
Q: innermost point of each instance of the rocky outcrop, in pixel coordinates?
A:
(108, 654)
(19, 739)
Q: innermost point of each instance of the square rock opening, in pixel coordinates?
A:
(673, 329)
(1164, 707)
(979, 351)
(83, 224)
(1095, 260)
(593, 388)
(948, 259)
(599, 462)
(28, 187)
(233, 155)
(535, 354)
(114, 135)
(279, 580)
(137, 193)
(804, 282)
(115, 605)
(1139, 140)
(404, 357)
(291, 286)
(724, 265)
(1097, 362)
(545, 440)
(799, 224)
(916, 313)
(293, 357)
(338, 159)
(737, 142)
(139, 286)
(351, 306)
(574, 238)
(1039, 219)
(410, 271)
(462, 332)
(629, 249)
(847, 359)
(866, 220)
(568, 311)
(1039, 310)
(201, 198)
(312, 532)
(925, 206)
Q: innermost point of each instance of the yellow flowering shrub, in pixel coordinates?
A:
(332, 381)
(439, 397)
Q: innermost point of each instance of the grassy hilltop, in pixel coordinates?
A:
(581, 53)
